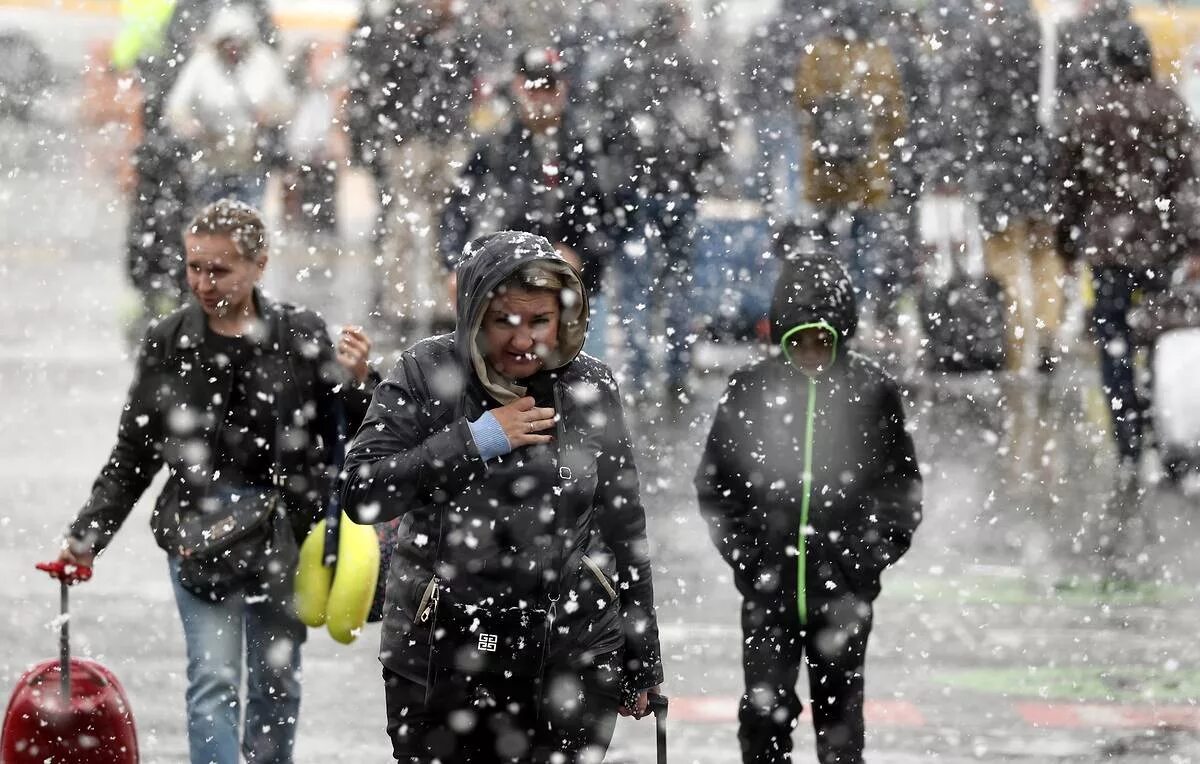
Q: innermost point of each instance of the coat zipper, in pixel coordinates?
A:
(805, 500)
(429, 600)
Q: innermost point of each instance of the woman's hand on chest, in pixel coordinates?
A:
(524, 423)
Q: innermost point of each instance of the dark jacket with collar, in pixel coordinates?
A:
(495, 529)
(1008, 163)
(407, 80)
(1127, 185)
(865, 491)
(661, 117)
(178, 398)
(504, 187)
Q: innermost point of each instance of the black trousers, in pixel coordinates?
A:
(833, 645)
(492, 720)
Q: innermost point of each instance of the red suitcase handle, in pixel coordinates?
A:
(66, 572)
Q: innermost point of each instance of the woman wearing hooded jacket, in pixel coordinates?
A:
(236, 395)
(520, 607)
(811, 489)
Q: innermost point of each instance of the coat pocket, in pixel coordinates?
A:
(600, 577)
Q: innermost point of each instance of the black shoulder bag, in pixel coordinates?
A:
(495, 637)
(239, 537)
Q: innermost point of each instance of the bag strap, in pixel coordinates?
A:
(558, 544)
(333, 511)
(282, 335)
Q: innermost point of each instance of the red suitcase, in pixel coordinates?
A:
(71, 709)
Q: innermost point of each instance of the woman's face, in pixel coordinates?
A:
(222, 280)
(520, 328)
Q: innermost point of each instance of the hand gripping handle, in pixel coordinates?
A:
(66, 572)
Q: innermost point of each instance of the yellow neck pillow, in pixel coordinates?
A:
(338, 596)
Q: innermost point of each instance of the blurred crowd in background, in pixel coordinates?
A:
(982, 165)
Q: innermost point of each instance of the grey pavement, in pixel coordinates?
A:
(1028, 623)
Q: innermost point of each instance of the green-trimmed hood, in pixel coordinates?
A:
(814, 288)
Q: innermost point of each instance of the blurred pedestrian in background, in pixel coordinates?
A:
(1127, 207)
(412, 70)
(1084, 52)
(852, 110)
(1008, 177)
(315, 149)
(228, 106)
(664, 126)
(764, 93)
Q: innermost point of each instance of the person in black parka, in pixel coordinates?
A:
(808, 459)
(504, 451)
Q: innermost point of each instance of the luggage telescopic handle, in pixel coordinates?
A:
(658, 705)
(67, 573)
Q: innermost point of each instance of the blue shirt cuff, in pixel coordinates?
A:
(489, 437)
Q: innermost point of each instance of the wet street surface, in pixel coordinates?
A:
(1039, 617)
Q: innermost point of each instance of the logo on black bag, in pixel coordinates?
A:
(488, 643)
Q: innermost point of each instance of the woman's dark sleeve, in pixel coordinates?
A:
(622, 521)
(400, 455)
(894, 500)
(134, 461)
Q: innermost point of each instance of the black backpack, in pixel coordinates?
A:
(964, 324)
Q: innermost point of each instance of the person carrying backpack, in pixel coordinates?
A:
(1126, 201)
(810, 487)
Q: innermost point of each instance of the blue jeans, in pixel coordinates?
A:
(653, 275)
(1114, 289)
(215, 633)
(870, 243)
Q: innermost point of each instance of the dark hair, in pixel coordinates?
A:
(542, 65)
(237, 220)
